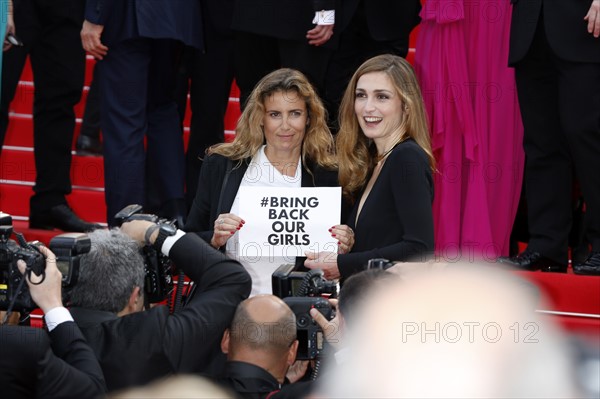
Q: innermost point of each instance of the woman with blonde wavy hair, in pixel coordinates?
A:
(282, 140)
(385, 168)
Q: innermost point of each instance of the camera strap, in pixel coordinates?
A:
(270, 395)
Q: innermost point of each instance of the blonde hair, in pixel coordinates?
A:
(356, 155)
(318, 145)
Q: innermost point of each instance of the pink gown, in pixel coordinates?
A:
(471, 101)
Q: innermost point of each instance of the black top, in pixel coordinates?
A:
(566, 31)
(58, 364)
(396, 220)
(253, 382)
(140, 347)
(291, 19)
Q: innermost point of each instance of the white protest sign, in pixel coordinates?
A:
(288, 221)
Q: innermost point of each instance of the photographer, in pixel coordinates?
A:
(261, 346)
(134, 346)
(353, 294)
(59, 363)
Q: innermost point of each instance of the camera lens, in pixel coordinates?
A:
(302, 321)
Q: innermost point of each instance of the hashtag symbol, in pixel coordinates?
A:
(264, 201)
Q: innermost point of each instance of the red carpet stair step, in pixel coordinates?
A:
(17, 168)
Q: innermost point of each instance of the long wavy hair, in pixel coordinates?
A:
(356, 153)
(317, 146)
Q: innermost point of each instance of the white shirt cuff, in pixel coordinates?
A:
(170, 241)
(56, 316)
(324, 17)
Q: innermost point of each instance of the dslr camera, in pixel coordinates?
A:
(158, 282)
(68, 248)
(286, 282)
(311, 340)
(302, 291)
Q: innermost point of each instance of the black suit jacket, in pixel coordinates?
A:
(140, 347)
(157, 19)
(565, 28)
(60, 364)
(253, 382)
(219, 13)
(386, 19)
(282, 19)
(396, 220)
(215, 196)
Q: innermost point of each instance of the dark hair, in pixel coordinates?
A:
(357, 288)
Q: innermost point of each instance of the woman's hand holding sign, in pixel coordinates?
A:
(225, 226)
(345, 236)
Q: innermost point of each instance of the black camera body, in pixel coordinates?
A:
(158, 281)
(302, 291)
(12, 288)
(11, 285)
(68, 248)
(287, 282)
(311, 341)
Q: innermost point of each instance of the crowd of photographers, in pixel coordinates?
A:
(112, 338)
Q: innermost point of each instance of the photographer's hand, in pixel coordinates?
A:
(297, 371)
(136, 229)
(331, 328)
(47, 293)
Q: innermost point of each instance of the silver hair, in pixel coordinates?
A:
(109, 272)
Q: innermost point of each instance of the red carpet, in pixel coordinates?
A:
(574, 300)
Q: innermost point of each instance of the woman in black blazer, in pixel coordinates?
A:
(282, 140)
(385, 165)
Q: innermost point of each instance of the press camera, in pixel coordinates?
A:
(302, 291)
(288, 282)
(311, 340)
(158, 282)
(68, 248)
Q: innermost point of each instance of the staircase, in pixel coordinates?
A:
(17, 167)
(574, 301)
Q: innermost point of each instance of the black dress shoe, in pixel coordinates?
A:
(60, 217)
(87, 145)
(591, 266)
(530, 260)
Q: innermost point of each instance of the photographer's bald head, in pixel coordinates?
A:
(263, 333)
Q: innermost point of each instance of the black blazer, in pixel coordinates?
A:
(253, 382)
(282, 19)
(34, 363)
(566, 30)
(396, 220)
(157, 19)
(212, 198)
(218, 13)
(386, 19)
(140, 347)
